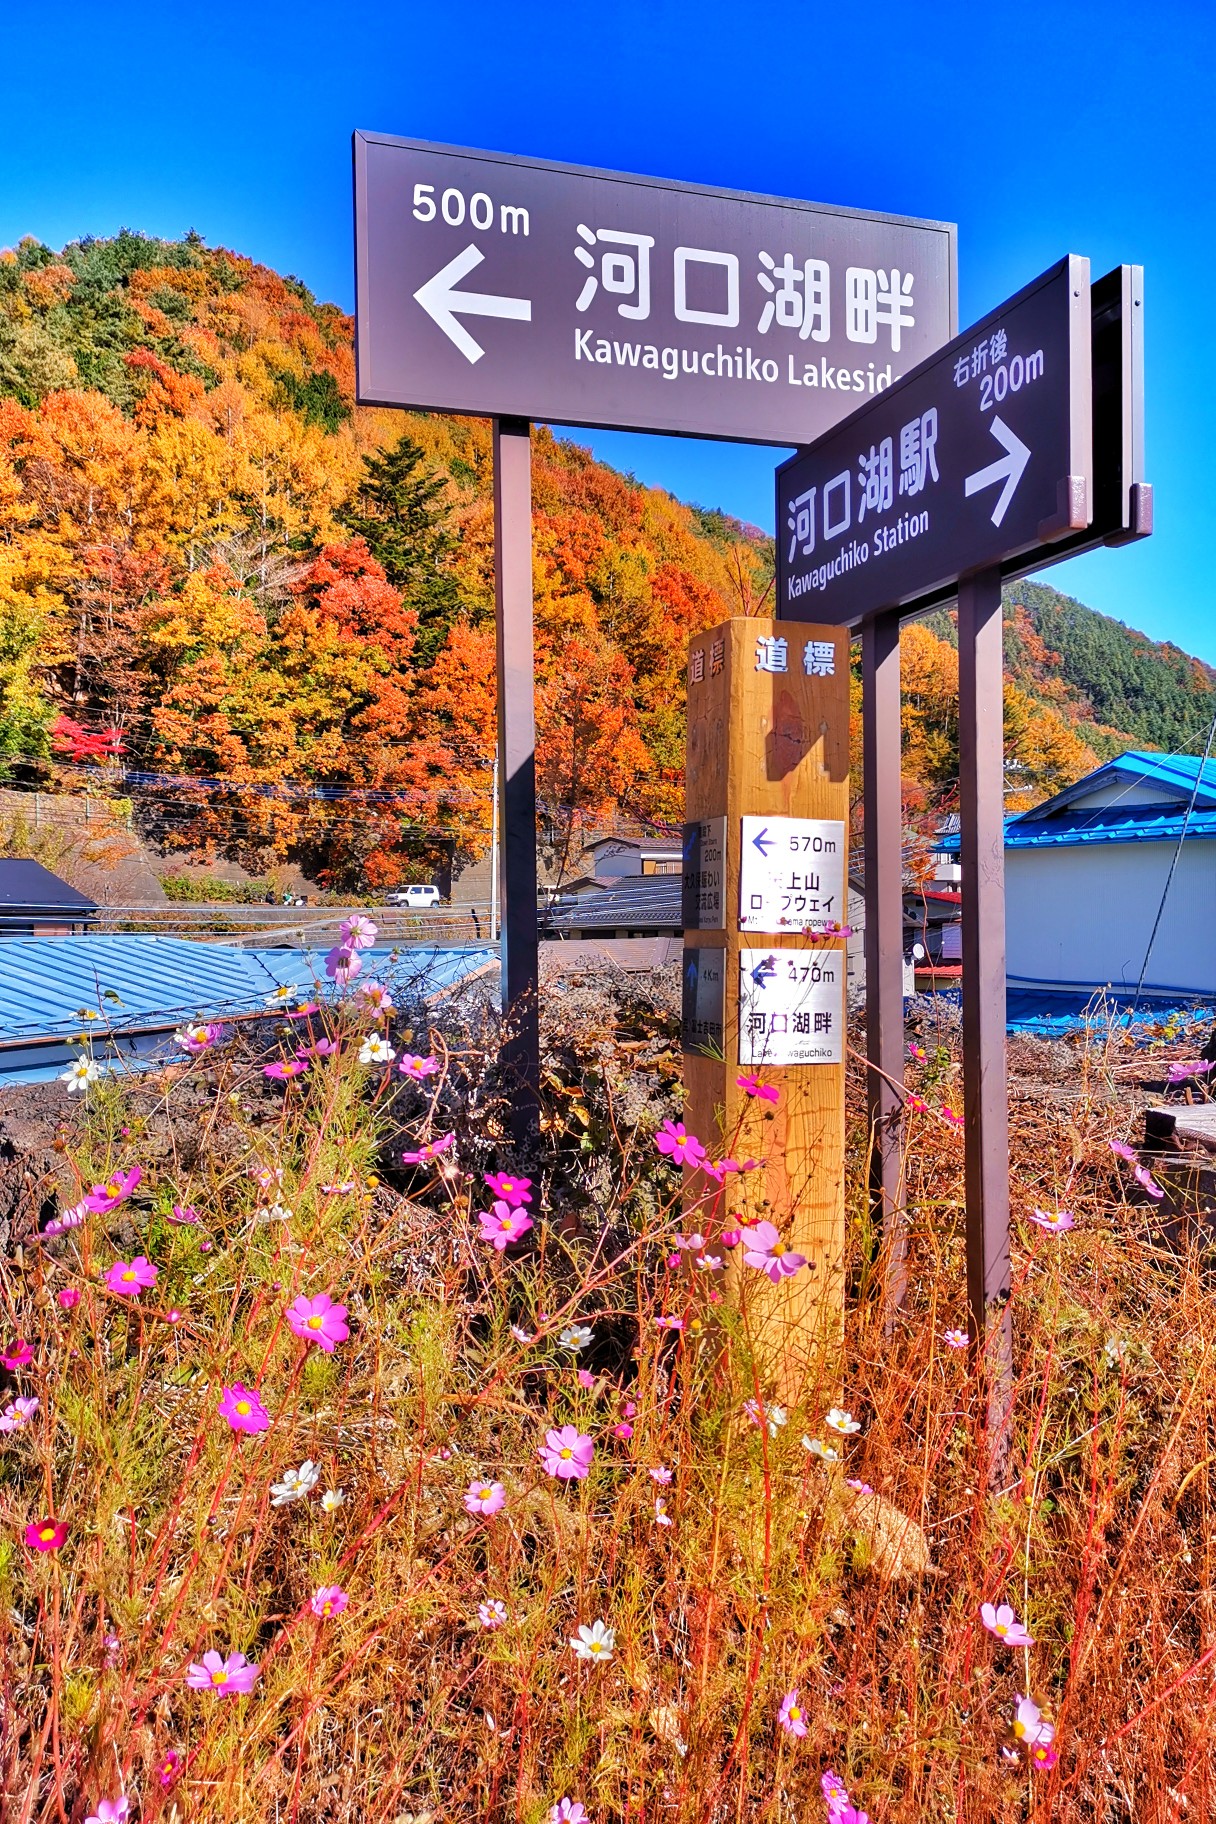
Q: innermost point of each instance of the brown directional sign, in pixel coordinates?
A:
(981, 457)
(511, 288)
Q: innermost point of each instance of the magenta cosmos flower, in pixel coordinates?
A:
(184, 1215)
(17, 1353)
(566, 1453)
(1000, 1620)
(751, 1085)
(485, 1497)
(67, 1298)
(764, 1248)
(418, 1068)
(1121, 1148)
(329, 1600)
(1057, 1221)
(283, 1069)
(46, 1535)
(1145, 1179)
(199, 1037)
(319, 1320)
(568, 1811)
(682, 1148)
(504, 1226)
(835, 1792)
(243, 1409)
(515, 1191)
(430, 1149)
(128, 1278)
(790, 1715)
(231, 1677)
(116, 1189)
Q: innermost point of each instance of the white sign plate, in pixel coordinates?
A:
(791, 874)
(703, 898)
(791, 1006)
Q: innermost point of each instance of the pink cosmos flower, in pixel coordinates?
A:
(378, 997)
(722, 1170)
(624, 1431)
(329, 1600)
(692, 1243)
(128, 1278)
(302, 1013)
(343, 1189)
(116, 1189)
(916, 1051)
(17, 1353)
(46, 1535)
(1145, 1178)
(324, 1048)
(682, 1148)
(1182, 1073)
(266, 1176)
(514, 1191)
(955, 1339)
(418, 1068)
(858, 1487)
(243, 1409)
(1124, 1151)
(764, 1248)
(504, 1226)
(917, 1102)
(1001, 1621)
(1030, 1726)
(485, 1497)
(670, 1323)
(342, 964)
(835, 1793)
(430, 1149)
(568, 1811)
(195, 1039)
(585, 1377)
(1057, 1221)
(491, 1614)
(183, 1214)
(283, 1069)
(791, 1716)
(566, 1453)
(17, 1413)
(751, 1085)
(67, 1298)
(318, 1320)
(110, 1811)
(661, 1473)
(231, 1677)
(358, 932)
(661, 1515)
(71, 1218)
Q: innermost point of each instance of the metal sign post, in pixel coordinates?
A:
(765, 888)
(520, 290)
(1017, 444)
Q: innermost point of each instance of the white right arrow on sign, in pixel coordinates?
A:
(1009, 469)
(441, 301)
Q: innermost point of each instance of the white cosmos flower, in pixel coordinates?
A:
(79, 1074)
(375, 1050)
(576, 1337)
(594, 1642)
(296, 1482)
(818, 1448)
(842, 1421)
(332, 1500)
(282, 997)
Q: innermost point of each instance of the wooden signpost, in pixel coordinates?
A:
(765, 891)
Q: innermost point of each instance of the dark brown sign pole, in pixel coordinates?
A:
(985, 1104)
(516, 859)
(883, 835)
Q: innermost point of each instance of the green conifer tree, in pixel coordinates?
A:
(401, 513)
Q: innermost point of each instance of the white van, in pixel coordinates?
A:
(417, 898)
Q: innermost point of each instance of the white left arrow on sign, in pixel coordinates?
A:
(441, 301)
(1008, 469)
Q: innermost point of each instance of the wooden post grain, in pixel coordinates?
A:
(773, 744)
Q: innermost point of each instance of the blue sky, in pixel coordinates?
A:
(1039, 129)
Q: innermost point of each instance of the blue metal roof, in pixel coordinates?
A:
(1064, 822)
(46, 982)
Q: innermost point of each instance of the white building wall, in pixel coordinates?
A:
(1083, 915)
(1120, 791)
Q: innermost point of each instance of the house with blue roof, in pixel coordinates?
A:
(1114, 880)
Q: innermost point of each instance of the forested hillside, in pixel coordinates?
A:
(267, 617)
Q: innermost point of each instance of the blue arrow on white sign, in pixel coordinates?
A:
(762, 841)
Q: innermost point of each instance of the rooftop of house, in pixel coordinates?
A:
(31, 887)
(1138, 797)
